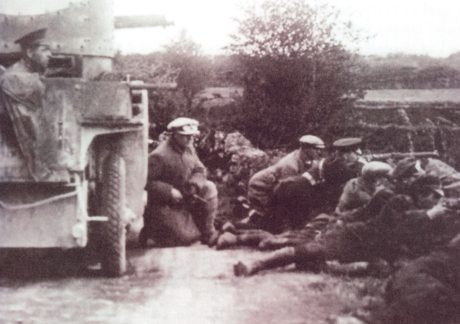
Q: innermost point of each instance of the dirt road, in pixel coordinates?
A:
(171, 285)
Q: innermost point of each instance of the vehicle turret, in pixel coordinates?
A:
(81, 32)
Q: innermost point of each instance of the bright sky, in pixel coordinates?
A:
(409, 26)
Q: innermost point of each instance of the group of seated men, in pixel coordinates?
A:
(182, 202)
(314, 210)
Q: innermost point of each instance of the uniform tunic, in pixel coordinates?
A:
(337, 171)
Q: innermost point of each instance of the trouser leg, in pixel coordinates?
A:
(240, 237)
(253, 238)
(310, 256)
(279, 258)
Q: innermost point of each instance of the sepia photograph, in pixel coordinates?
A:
(229, 161)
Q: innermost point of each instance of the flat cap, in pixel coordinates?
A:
(311, 140)
(37, 37)
(184, 126)
(405, 168)
(376, 169)
(347, 144)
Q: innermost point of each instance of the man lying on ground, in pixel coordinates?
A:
(405, 226)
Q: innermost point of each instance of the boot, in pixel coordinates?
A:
(211, 238)
(226, 240)
(240, 270)
(210, 234)
(279, 258)
(229, 227)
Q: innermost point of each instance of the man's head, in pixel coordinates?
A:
(426, 191)
(311, 147)
(349, 148)
(35, 49)
(405, 172)
(375, 171)
(183, 130)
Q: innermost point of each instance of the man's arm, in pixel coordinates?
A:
(199, 172)
(261, 187)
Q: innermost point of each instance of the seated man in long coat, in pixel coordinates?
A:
(182, 203)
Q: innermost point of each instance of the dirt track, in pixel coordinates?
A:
(173, 285)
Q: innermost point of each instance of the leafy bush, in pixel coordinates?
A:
(296, 72)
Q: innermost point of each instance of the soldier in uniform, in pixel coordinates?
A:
(182, 203)
(35, 53)
(21, 96)
(343, 164)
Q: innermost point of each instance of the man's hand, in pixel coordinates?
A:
(437, 210)
(176, 195)
(191, 189)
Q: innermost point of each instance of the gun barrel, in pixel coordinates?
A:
(141, 21)
(401, 155)
(152, 86)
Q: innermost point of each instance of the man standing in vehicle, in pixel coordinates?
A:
(21, 93)
(35, 52)
(182, 203)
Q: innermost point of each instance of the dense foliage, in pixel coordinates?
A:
(288, 90)
(296, 72)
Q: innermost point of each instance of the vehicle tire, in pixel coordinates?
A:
(112, 205)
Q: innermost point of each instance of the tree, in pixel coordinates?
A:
(295, 69)
(193, 67)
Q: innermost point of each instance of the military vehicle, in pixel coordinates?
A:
(93, 136)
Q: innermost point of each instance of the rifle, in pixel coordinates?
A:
(400, 155)
(193, 201)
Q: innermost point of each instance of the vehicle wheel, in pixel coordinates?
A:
(112, 205)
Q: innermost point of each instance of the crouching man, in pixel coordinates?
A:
(182, 203)
(276, 195)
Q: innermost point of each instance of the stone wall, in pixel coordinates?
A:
(409, 124)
